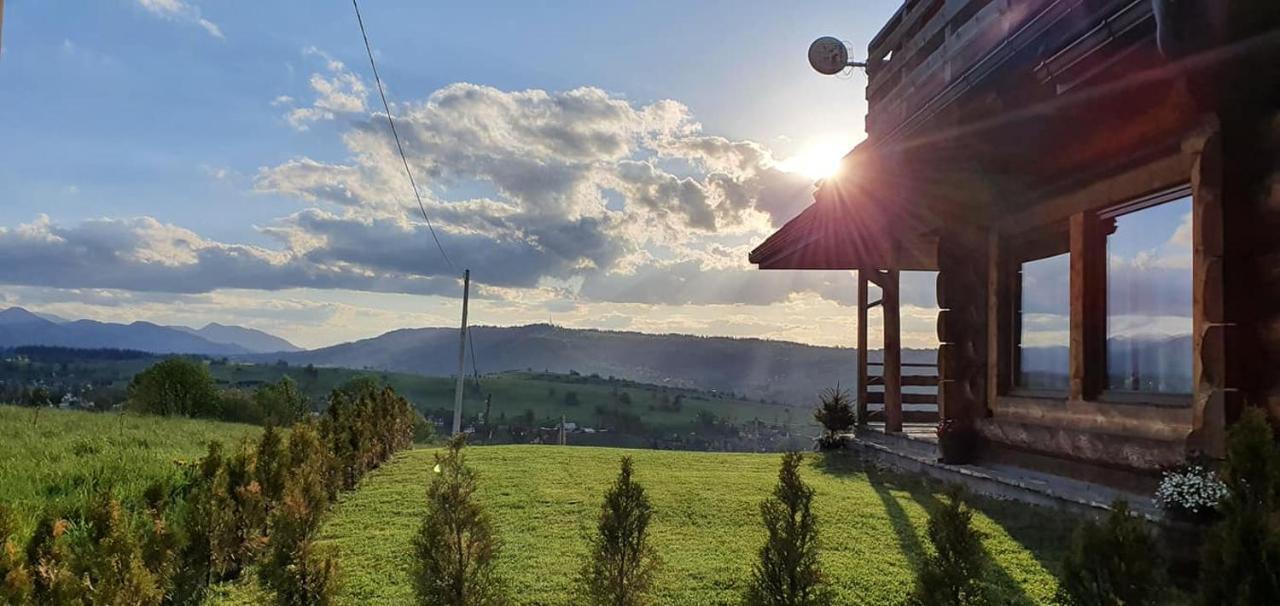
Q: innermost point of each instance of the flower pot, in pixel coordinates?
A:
(957, 445)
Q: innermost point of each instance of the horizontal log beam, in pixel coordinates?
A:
(877, 397)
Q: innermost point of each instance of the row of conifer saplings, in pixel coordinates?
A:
(1113, 561)
(256, 508)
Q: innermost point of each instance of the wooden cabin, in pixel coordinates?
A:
(1097, 185)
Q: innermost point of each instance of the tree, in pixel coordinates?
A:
(1114, 562)
(621, 561)
(952, 574)
(456, 549)
(571, 398)
(836, 415)
(789, 573)
(281, 403)
(1241, 563)
(176, 386)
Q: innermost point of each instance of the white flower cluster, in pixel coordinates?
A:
(1194, 489)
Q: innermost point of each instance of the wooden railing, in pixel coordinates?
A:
(920, 406)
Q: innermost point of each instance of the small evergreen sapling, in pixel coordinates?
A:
(836, 415)
(456, 549)
(789, 573)
(1115, 562)
(1241, 563)
(953, 574)
(621, 564)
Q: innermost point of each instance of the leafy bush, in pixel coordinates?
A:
(789, 573)
(952, 575)
(836, 415)
(237, 406)
(176, 386)
(281, 403)
(456, 549)
(621, 561)
(1241, 563)
(1114, 562)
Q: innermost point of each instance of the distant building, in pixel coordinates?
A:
(1097, 186)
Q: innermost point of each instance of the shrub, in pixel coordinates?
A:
(836, 415)
(311, 580)
(176, 386)
(788, 573)
(107, 557)
(52, 580)
(952, 574)
(621, 563)
(15, 578)
(292, 570)
(237, 406)
(456, 549)
(271, 467)
(1113, 562)
(1241, 563)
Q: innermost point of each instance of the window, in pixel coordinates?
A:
(1043, 322)
(1149, 297)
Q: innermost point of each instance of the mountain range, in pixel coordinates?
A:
(754, 368)
(21, 327)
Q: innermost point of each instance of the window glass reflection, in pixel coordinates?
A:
(1044, 323)
(1149, 300)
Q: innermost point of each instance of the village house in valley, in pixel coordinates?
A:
(1097, 186)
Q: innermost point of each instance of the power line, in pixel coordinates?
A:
(475, 369)
(386, 106)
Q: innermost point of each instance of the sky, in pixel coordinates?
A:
(595, 164)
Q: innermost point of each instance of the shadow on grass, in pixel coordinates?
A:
(1041, 532)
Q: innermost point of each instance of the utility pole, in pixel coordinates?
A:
(462, 354)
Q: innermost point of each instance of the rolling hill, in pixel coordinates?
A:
(755, 368)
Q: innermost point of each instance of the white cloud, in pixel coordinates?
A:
(183, 12)
(338, 92)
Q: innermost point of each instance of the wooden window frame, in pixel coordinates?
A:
(1041, 243)
(1096, 362)
(1086, 234)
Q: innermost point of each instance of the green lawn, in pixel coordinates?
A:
(56, 457)
(706, 528)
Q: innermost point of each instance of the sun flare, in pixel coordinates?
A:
(818, 158)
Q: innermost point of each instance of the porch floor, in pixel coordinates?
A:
(915, 450)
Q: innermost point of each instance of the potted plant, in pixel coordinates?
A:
(1191, 493)
(957, 442)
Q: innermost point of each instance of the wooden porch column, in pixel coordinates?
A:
(892, 352)
(1088, 306)
(861, 392)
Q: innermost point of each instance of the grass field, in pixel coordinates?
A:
(58, 457)
(706, 528)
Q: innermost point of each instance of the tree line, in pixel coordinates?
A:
(256, 507)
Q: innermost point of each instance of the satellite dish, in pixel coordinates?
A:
(829, 55)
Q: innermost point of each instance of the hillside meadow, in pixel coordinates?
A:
(544, 501)
(56, 458)
(588, 401)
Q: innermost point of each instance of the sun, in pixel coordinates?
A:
(819, 157)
